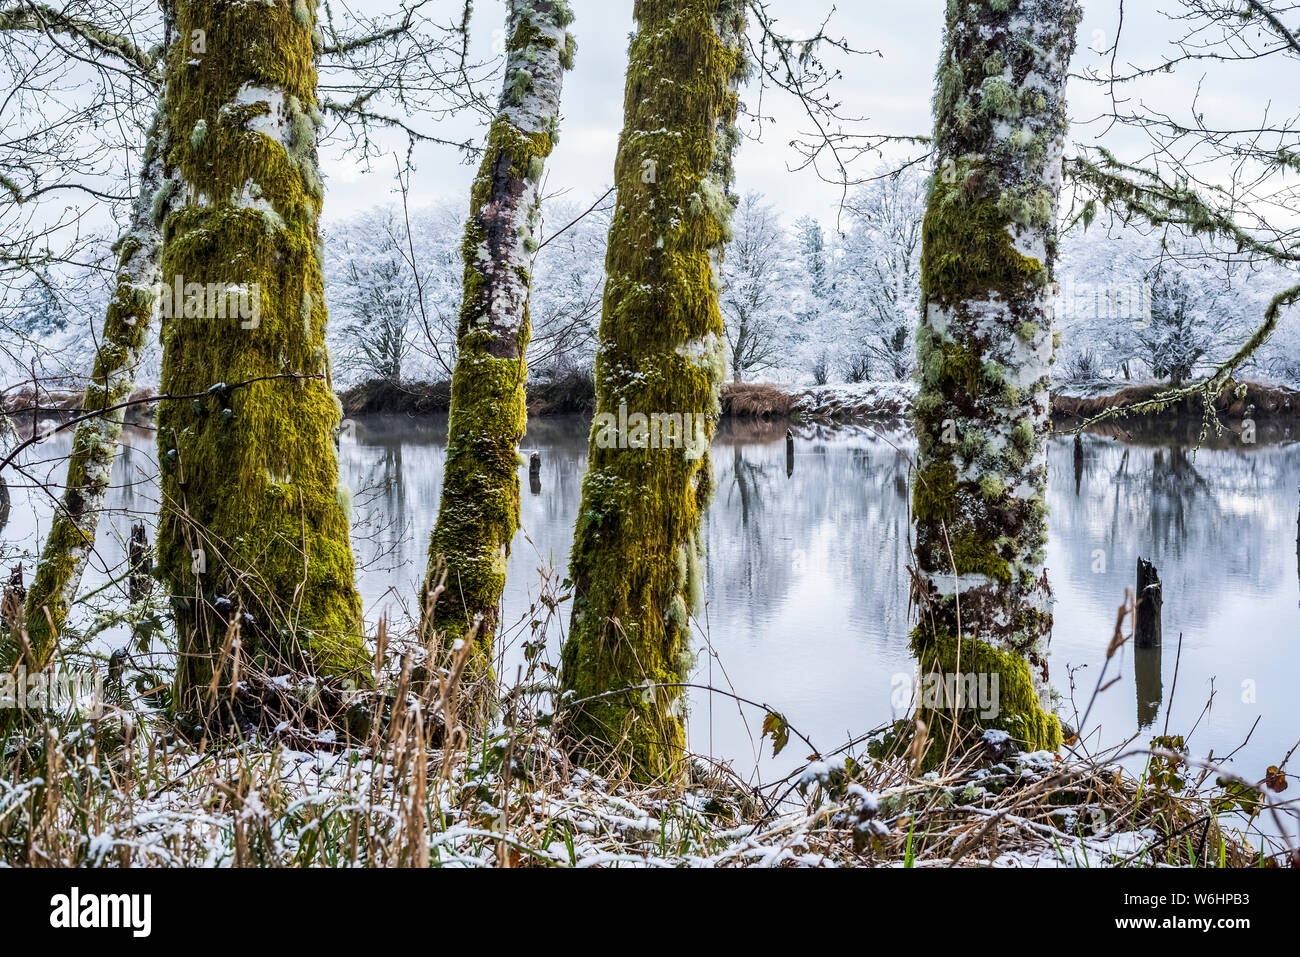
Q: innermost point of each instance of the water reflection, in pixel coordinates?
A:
(1149, 681)
(806, 603)
(1218, 525)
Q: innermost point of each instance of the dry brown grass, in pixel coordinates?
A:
(756, 400)
(399, 777)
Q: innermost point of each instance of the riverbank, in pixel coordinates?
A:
(574, 394)
(27, 407)
(1240, 400)
(864, 402)
(571, 394)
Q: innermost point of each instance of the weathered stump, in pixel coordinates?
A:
(789, 452)
(535, 473)
(1150, 601)
(140, 562)
(1078, 462)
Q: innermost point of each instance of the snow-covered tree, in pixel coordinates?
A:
(814, 256)
(1180, 329)
(1156, 304)
(479, 511)
(984, 347)
(758, 283)
(378, 274)
(879, 286)
(1102, 302)
(374, 295)
(568, 285)
(816, 308)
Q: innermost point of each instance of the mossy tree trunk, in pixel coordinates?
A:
(984, 349)
(636, 561)
(479, 512)
(95, 442)
(253, 536)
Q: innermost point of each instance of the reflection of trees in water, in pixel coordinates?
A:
(1206, 519)
(759, 556)
(549, 516)
(842, 515)
(395, 468)
(828, 544)
(380, 516)
(132, 497)
(135, 472)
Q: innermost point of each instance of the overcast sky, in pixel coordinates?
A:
(892, 90)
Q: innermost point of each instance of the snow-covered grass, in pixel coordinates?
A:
(856, 400)
(413, 790)
(313, 775)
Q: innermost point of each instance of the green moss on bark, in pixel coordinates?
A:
(479, 512)
(981, 414)
(636, 554)
(966, 248)
(249, 474)
(1020, 712)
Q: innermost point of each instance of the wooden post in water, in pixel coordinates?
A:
(140, 562)
(535, 473)
(789, 452)
(1078, 462)
(1150, 601)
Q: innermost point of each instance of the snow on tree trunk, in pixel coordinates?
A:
(95, 441)
(638, 545)
(984, 349)
(479, 512)
(254, 525)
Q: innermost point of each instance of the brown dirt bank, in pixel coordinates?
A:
(567, 394)
(28, 406)
(1258, 401)
(381, 397)
(574, 394)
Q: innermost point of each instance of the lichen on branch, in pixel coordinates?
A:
(95, 442)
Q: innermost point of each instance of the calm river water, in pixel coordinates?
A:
(806, 573)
